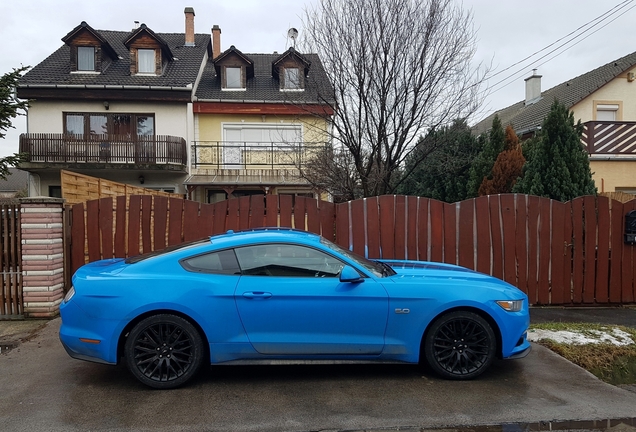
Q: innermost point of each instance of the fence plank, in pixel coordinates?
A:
(220, 217)
(616, 251)
(567, 253)
(92, 230)
(450, 233)
(134, 225)
(357, 227)
(232, 222)
(120, 227)
(602, 251)
(373, 226)
(146, 222)
(578, 249)
(327, 220)
(411, 229)
(533, 249)
(257, 206)
(313, 215)
(206, 220)
(466, 234)
(161, 222)
(482, 215)
(192, 221)
(244, 212)
(285, 202)
(387, 226)
(422, 229)
(175, 221)
(106, 226)
(508, 216)
(299, 213)
(342, 225)
(497, 236)
(78, 236)
(521, 243)
(271, 208)
(629, 255)
(557, 294)
(436, 222)
(589, 215)
(400, 227)
(544, 252)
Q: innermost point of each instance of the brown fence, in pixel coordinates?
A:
(10, 257)
(558, 253)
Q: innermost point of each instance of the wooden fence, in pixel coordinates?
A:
(10, 258)
(558, 253)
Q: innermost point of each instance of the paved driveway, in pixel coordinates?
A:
(42, 389)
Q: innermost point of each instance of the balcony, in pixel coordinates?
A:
(113, 151)
(606, 139)
(223, 155)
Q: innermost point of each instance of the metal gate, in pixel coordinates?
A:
(11, 305)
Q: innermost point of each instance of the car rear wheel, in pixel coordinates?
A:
(164, 351)
(460, 345)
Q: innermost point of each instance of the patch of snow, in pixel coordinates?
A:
(614, 336)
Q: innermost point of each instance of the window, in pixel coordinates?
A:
(146, 61)
(223, 262)
(55, 191)
(292, 79)
(287, 260)
(123, 125)
(607, 112)
(233, 78)
(85, 58)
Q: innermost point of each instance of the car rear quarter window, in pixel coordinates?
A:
(222, 262)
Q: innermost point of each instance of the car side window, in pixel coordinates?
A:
(287, 260)
(222, 262)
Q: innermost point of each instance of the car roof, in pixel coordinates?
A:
(263, 235)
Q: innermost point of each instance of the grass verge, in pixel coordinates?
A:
(615, 364)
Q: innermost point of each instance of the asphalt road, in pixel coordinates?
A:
(42, 389)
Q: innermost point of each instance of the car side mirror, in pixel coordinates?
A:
(349, 274)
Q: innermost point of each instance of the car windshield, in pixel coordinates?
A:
(136, 259)
(377, 268)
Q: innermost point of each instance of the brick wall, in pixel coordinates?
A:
(42, 256)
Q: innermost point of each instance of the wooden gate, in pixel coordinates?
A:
(11, 305)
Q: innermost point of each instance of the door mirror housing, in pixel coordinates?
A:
(349, 274)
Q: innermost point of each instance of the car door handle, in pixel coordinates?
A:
(257, 295)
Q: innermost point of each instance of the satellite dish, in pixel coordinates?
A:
(292, 34)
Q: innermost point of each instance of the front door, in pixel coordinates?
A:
(291, 302)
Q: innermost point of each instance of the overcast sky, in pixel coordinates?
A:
(507, 31)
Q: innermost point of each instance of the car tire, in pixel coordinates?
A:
(460, 345)
(164, 351)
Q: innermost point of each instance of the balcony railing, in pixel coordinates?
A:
(109, 149)
(253, 155)
(609, 138)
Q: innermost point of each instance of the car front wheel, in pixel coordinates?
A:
(164, 351)
(460, 345)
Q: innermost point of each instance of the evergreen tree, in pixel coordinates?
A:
(507, 168)
(444, 174)
(482, 165)
(558, 166)
(10, 107)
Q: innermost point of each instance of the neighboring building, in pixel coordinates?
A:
(257, 119)
(114, 105)
(15, 185)
(604, 99)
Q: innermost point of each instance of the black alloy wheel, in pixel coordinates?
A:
(164, 351)
(460, 345)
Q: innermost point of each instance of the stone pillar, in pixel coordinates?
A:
(42, 256)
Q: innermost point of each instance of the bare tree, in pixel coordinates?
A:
(399, 68)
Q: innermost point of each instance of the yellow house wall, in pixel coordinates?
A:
(610, 175)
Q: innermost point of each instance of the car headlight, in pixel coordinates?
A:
(510, 305)
(69, 295)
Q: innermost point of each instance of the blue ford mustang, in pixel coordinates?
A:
(281, 295)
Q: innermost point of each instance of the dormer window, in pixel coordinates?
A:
(86, 58)
(233, 78)
(291, 79)
(146, 61)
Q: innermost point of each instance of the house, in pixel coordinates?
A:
(257, 119)
(604, 99)
(115, 105)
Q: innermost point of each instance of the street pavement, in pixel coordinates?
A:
(43, 389)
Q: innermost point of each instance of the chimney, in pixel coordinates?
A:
(533, 88)
(216, 41)
(189, 26)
